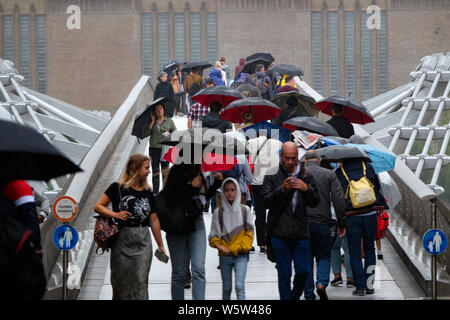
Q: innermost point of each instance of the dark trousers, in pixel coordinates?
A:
(155, 156)
(260, 212)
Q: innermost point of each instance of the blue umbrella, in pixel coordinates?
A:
(381, 160)
(283, 135)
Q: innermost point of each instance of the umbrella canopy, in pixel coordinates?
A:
(260, 109)
(142, 120)
(26, 154)
(211, 161)
(340, 153)
(196, 65)
(310, 124)
(354, 111)
(221, 94)
(334, 140)
(170, 67)
(199, 138)
(252, 90)
(272, 131)
(249, 66)
(260, 55)
(381, 160)
(303, 100)
(288, 69)
(389, 189)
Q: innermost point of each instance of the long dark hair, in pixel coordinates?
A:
(181, 174)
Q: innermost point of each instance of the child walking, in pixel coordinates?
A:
(231, 234)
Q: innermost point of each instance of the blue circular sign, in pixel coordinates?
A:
(65, 237)
(434, 241)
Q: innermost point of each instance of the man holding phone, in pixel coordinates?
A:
(286, 194)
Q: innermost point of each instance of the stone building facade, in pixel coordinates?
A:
(95, 67)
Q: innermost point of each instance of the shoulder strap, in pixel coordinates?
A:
(345, 175)
(259, 150)
(221, 218)
(364, 168)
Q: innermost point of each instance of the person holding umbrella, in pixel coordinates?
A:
(164, 89)
(197, 110)
(293, 108)
(341, 124)
(160, 126)
(193, 84)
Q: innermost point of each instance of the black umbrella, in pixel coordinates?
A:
(340, 153)
(250, 65)
(251, 90)
(196, 65)
(261, 109)
(260, 55)
(310, 124)
(170, 67)
(142, 120)
(302, 100)
(283, 69)
(221, 94)
(354, 111)
(199, 138)
(26, 154)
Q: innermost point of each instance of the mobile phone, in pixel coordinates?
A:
(161, 256)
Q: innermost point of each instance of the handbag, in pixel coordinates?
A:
(178, 219)
(360, 193)
(105, 230)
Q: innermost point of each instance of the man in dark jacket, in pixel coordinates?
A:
(263, 82)
(286, 194)
(361, 224)
(320, 221)
(164, 89)
(341, 124)
(212, 120)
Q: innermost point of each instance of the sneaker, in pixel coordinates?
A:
(359, 293)
(262, 249)
(252, 250)
(350, 283)
(336, 282)
(380, 256)
(322, 292)
(370, 291)
(218, 267)
(187, 285)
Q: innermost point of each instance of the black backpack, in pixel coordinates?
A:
(21, 271)
(195, 88)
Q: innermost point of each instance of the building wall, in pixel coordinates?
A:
(96, 67)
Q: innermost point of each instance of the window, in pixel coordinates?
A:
(163, 39)
(146, 26)
(179, 38)
(195, 37)
(349, 26)
(333, 51)
(8, 38)
(41, 63)
(25, 49)
(212, 41)
(382, 55)
(317, 50)
(365, 58)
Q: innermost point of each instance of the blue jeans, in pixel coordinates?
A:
(239, 263)
(320, 248)
(362, 228)
(179, 244)
(286, 251)
(336, 257)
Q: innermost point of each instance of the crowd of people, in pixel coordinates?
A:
(301, 205)
(302, 211)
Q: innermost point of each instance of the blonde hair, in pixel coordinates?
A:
(132, 169)
(218, 65)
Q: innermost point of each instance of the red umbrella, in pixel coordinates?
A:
(221, 94)
(353, 110)
(211, 162)
(260, 109)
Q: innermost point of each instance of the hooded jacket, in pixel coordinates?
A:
(239, 67)
(235, 233)
(216, 75)
(212, 120)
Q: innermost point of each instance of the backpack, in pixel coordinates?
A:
(195, 88)
(262, 85)
(21, 270)
(361, 192)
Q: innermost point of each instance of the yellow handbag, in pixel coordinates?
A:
(361, 192)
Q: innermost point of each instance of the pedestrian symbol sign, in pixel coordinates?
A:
(434, 241)
(65, 237)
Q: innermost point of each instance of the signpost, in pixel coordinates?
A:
(65, 236)
(435, 242)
